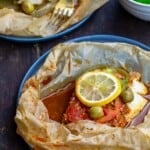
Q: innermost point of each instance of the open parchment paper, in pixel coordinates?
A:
(64, 64)
(17, 23)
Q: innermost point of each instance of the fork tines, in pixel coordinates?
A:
(63, 10)
(64, 7)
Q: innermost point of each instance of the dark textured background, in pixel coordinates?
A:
(16, 58)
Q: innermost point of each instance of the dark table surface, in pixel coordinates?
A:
(16, 58)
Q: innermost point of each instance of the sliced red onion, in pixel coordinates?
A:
(140, 117)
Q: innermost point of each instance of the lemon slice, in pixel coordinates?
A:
(97, 88)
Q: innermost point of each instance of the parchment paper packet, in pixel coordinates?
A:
(64, 64)
(13, 22)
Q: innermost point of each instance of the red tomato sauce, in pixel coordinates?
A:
(75, 111)
(63, 106)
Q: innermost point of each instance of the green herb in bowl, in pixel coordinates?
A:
(143, 1)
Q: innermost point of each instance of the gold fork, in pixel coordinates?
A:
(63, 10)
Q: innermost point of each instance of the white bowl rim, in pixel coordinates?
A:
(139, 3)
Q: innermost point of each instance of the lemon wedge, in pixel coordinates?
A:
(97, 88)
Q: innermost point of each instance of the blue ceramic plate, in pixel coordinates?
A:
(94, 38)
(42, 39)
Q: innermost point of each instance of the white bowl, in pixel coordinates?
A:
(139, 10)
